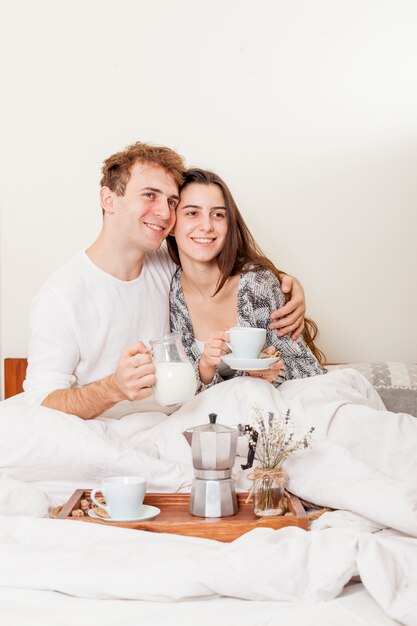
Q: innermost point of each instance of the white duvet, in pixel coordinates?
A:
(363, 463)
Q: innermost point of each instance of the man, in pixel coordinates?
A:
(92, 321)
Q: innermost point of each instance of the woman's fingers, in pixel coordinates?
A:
(217, 347)
(266, 375)
(269, 350)
(270, 374)
(214, 350)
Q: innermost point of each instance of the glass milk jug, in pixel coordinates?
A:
(175, 377)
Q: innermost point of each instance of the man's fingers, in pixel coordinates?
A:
(285, 326)
(135, 371)
(290, 322)
(298, 332)
(134, 387)
(135, 384)
(286, 283)
(291, 328)
(141, 359)
(137, 377)
(291, 308)
(147, 381)
(140, 394)
(144, 393)
(143, 370)
(136, 348)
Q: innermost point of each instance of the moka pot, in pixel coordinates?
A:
(213, 448)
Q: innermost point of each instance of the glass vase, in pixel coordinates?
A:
(269, 494)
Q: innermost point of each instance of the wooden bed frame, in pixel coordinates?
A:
(14, 375)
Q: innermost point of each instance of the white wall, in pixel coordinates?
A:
(307, 109)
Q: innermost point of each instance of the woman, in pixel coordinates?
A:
(224, 280)
(363, 456)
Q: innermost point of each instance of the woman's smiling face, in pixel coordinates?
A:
(201, 225)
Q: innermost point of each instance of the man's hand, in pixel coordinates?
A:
(290, 316)
(135, 373)
(131, 381)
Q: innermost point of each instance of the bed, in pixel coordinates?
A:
(58, 572)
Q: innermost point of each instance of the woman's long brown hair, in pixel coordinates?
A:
(240, 252)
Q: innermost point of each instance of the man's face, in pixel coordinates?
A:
(145, 214)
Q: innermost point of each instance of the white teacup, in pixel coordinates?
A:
(124, 496)
(246, 342)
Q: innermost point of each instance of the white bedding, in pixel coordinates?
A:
(353, 607)
(363, 461)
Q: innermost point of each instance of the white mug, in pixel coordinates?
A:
(124, 496)
(246, 342)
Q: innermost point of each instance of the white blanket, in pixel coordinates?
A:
(364, 461)
(90, 561)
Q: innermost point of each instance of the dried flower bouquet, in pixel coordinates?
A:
(272, 440)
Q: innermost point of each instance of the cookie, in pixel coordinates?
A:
(56, 511)
(99, 511)
(264, 355)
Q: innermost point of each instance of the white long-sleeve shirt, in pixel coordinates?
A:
(83, 318)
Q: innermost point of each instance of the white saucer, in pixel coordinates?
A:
(148, 512)
(248, 364)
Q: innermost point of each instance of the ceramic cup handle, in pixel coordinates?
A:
(227, 342)
(101, 506)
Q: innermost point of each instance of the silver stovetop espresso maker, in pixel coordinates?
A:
(213, 449)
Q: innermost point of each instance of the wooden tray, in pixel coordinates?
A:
(175, 518)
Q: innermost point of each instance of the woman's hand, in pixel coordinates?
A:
(214, 348)
(272, 372)
(290, 316)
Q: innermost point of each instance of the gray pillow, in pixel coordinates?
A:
(395, 382)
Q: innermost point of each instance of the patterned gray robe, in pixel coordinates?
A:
(259, 293)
